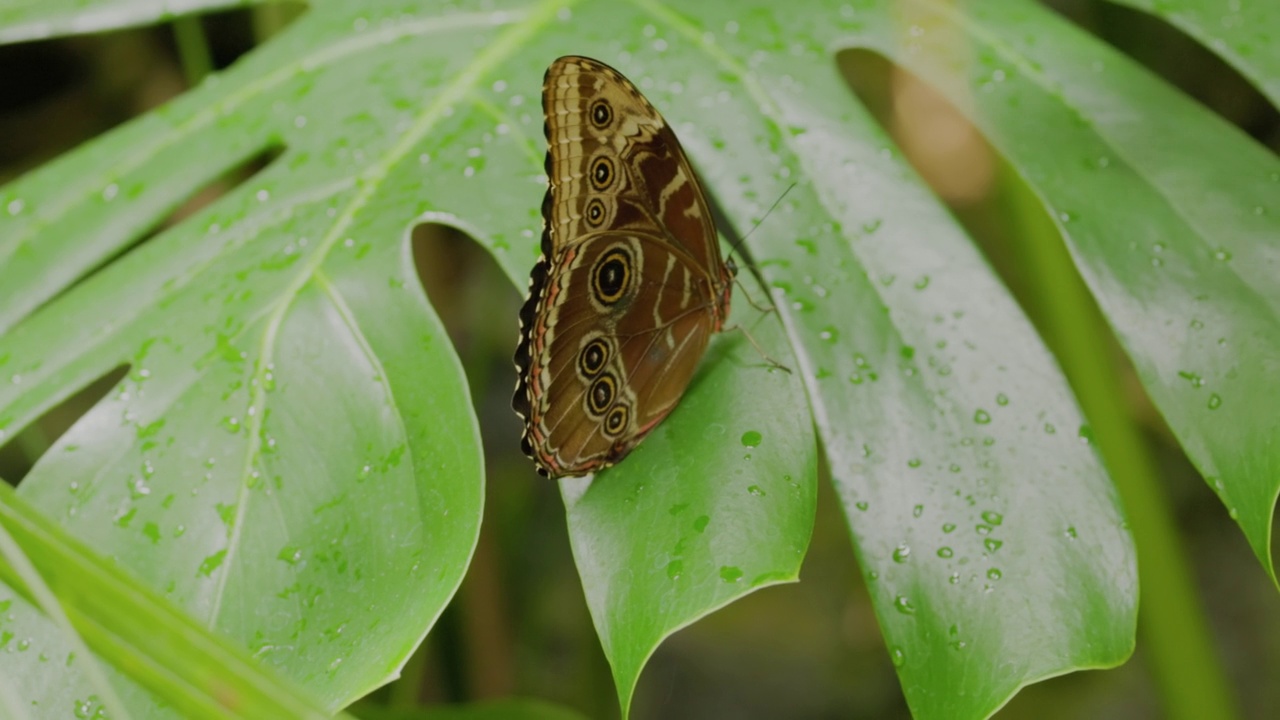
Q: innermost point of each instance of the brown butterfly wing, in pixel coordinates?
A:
(630, 286)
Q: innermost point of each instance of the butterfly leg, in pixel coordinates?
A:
(763, 310)
(756, 345)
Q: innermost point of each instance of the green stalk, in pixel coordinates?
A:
(270, 19)
(193, 48)
(160, 647)
(1171, 625)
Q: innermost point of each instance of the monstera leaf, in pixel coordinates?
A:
(292, 457)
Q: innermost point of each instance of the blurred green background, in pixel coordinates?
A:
(519, 624)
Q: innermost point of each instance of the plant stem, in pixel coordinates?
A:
(193, 48)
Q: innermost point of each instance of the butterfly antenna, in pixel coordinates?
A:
(734, 247)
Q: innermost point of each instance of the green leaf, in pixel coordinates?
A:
(22, 21)
(292, 456)
(1244, 34)
(270, 268)
(1184, 268)
(717, 502)
(951, 435)
(978, 509)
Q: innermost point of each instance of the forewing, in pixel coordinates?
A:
(615, 164)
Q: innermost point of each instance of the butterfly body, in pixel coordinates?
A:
(630, 285)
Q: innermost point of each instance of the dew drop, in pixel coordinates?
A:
(903, 604)
(945, 552)
(1085, 433)
(751, 439)
(982, 417)
(901, 553)
(1194, 379)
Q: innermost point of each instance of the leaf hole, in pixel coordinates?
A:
(24, 446)
(473, 298)
(1182, 61)
(61, 92)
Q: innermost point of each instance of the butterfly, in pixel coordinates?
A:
(630, 285)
